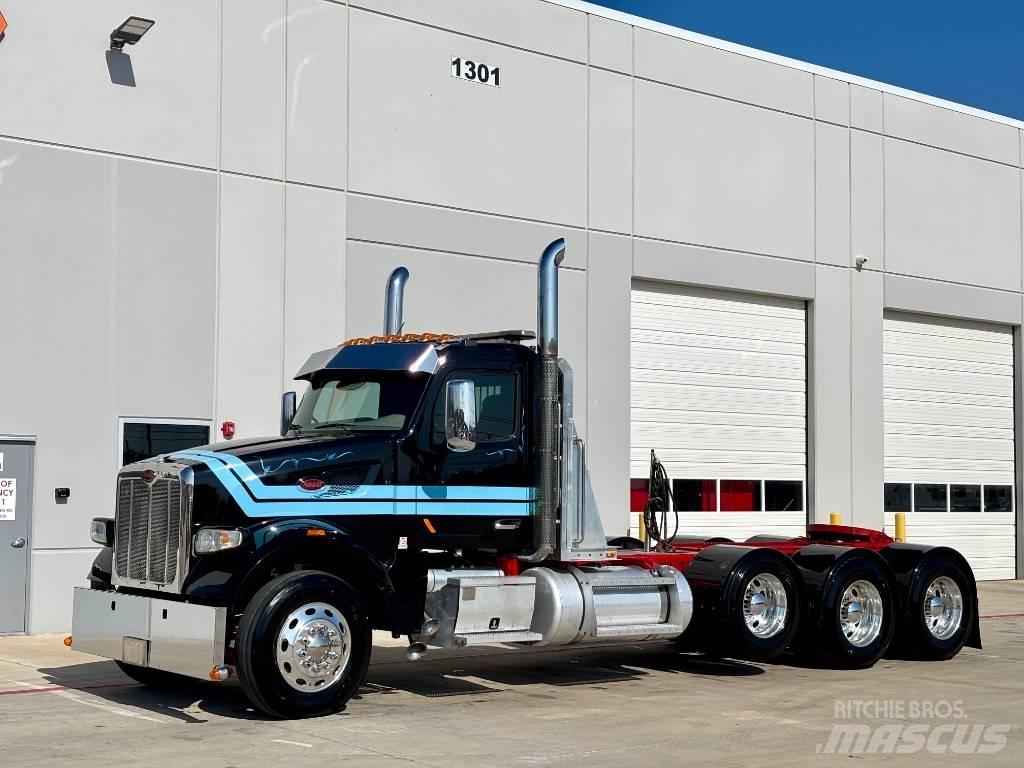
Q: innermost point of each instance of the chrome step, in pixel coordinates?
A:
(668, 630)
(486, 638)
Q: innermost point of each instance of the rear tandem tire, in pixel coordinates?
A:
(940, 611)
(303, 645)
(761, 611)
(857, 615)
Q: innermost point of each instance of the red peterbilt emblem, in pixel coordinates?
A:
(312, 484)
(148, 476)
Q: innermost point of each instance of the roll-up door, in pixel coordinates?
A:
(949, 437)
(718, 390)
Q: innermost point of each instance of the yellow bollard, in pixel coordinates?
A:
(834, 518)
(901, 526)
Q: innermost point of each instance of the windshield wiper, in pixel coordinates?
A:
(333, 425)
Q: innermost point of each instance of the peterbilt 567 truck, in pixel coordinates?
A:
(434, 486)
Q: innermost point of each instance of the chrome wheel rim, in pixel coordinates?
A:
(765, 605)
(943, 608)
(313, 647)
(860, 613)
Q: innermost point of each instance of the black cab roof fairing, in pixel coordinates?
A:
(411, 356)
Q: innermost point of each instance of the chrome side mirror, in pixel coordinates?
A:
(287, 412)
(460, 415)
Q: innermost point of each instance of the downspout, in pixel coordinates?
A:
(545, 520)
(394, 292)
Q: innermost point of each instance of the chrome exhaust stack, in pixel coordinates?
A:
(394, 293)
(545, 522)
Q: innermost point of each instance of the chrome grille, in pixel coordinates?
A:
(147, 526)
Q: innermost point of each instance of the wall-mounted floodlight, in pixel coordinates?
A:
(130, 32)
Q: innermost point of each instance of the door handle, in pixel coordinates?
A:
(507, 525)
(18, 543)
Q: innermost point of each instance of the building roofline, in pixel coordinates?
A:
(755, 53)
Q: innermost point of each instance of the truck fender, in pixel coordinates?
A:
(908, 562)
(280, 544)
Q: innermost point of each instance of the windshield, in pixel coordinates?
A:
(357, 401)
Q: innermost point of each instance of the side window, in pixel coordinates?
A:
(496, 406)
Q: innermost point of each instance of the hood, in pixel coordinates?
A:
(339, 459)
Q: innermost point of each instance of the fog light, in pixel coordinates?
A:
(210, 540)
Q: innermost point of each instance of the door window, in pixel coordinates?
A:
(496, 405)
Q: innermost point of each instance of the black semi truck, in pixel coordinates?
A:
(434, 486)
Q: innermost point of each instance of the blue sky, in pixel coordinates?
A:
(968, 52)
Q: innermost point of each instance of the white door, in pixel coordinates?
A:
(949, 441)
(718, 385)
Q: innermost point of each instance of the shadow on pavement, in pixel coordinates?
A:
(486, 673)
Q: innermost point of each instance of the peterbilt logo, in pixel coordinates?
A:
(149, 476)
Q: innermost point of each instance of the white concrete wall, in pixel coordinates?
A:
(175, 248)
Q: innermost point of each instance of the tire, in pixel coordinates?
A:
(157, 678)
(288, 625)
(939, 611)
(855, 638)
(761, 610)
(727, 620)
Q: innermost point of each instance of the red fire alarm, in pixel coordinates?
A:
(228, 429)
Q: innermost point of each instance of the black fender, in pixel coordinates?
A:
(908, 562)
(714, 569)
(818, 562)
(102, 568)
(283, 544)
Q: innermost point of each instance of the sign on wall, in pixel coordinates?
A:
(475, 71)
(8, 497)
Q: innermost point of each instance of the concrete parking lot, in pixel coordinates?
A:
(643, 705)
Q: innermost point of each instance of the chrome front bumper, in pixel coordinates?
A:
(149, 631)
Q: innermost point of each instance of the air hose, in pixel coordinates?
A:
(659, 503)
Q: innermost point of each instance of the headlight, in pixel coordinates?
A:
(209, 540)
(101, 530)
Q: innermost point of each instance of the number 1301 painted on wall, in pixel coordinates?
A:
(475, 72)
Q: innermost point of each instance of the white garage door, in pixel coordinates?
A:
(718, 390)
(949, 437)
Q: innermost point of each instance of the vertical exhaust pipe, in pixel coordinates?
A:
(550, 403)
(394, 293)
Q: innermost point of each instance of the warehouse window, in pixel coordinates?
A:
(783, 496)
(998, 498)
(638, 490)
(741, 496)
(897, 497)
(930, 498)
(695, 495)
(145, 439)
(965, 498)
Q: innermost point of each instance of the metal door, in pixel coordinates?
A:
(15, 517)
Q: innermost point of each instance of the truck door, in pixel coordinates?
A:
(483, 497)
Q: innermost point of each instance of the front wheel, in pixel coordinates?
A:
(303, 645)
